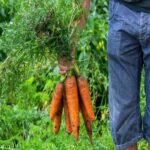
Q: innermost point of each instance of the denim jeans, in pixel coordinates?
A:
(128, 51)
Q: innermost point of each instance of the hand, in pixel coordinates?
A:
(65, 65)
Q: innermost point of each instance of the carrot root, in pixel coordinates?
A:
(85, 96)
(73, 104)
(66, 114)
(57, 119)
(87, 121)
(56, 100)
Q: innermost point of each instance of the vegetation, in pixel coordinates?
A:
(29, 72)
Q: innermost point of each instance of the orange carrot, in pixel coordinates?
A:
(57, 119)
(66, 113)
(56, 100)
(87, 121)
(85, 96)
(73, 104)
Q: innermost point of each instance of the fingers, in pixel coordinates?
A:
(64, 65)
(62, 72)
(63, 69)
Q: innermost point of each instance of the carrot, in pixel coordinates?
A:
(56, 100)
(85, 96)
(87, 121)
(66, 113)
(57, 119)
(73, 104)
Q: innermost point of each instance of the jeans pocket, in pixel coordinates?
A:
(115, 33)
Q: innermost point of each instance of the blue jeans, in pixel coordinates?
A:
(128, 52)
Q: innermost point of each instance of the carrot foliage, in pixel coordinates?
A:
(40, 31)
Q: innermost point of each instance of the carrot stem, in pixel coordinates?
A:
(63, 77)
(76, 68)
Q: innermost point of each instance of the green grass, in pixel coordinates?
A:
(35, 133)
(29, 128)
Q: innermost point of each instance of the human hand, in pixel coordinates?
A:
(65, 65)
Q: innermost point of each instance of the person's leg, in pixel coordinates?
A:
(146, 120)
(133, 147)
(146, 58)
(125, 63)
(148, 146)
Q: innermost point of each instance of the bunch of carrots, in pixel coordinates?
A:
(73, 96)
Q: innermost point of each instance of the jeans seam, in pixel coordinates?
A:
(113, 9)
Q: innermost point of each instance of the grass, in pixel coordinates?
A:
(30, 128)
(37, 134)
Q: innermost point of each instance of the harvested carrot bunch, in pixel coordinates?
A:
(73, 96)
